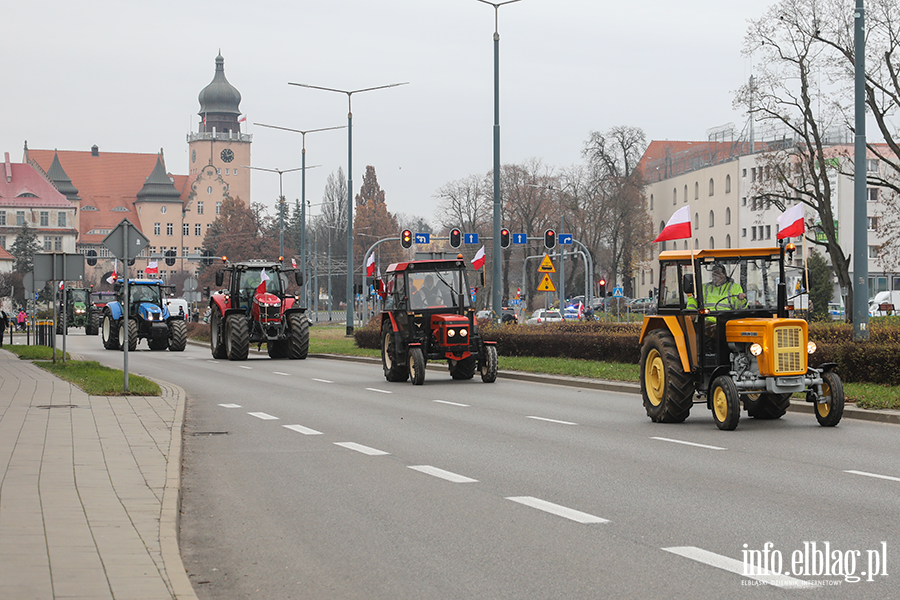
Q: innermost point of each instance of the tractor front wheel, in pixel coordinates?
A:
(667, 389)
(216, 336)
(393, 370)
(726, 403)
(416, 366)
(237, 337)
(110, 333)
(299, 331)
(132, 335)
(178, 342)
(489, 364)
(829, 412)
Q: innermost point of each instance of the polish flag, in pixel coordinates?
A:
(262, 286)
(370, 265)
(379, 285)
(678, 227)
(478, 261)
(152, 268)
(61, 283)
(790, 223)
(112, 278)
(242, 119)
(293, 263)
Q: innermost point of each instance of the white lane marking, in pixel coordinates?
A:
(322, 380)
(263, 416)
(435, 472)
(280, 373)
(556, 509)
(215, 362)
(230, 405)
(379, 391)
(736, 566)
(876, 475)
(451, 403)
(662, 439)
(303, 430)
(245, 367)
(551, 420)
(361, 448)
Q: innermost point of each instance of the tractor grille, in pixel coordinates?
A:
(788, 350)
(270, 313)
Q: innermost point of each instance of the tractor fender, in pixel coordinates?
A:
(294, 309)
(826, 367)
(390, 317)
(671, 323)
(115, 310)
(219, 301)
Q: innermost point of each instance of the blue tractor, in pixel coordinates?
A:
(148, 318)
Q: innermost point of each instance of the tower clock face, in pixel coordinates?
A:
(227, 155)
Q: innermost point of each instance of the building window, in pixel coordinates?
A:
(712, 187)
(743, 232)
(200, 205)
(2, 241)
(744, 173)
(728, 184)
(197, 229)
(57, 243)
(712, 243)
(209, 190)
(753, 174)
(185, 229)
(208, 225)
(728, 241)
(20, 218)
(48, 244)
(170, 229)
(674, 196)
(728, 216)
(872, 193)
(768, 232)
(744, 201)
(872, 223)
(873, 251)
(712, 217)
(227, 172)
(163, 209)
(685, 194)
(696, 220)
(2, 217)
(61, 219)
(184, 251)
(156, 228)
(651, 201)
(753, 237)
(218, 208)
(45, 218)
(234, 172)
(696, 190)
(872, 165)
(696, 244)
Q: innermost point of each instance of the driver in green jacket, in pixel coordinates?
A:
(721, 293)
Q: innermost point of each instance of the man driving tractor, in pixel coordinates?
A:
(721, 293)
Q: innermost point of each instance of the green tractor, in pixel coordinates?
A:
(77, 312)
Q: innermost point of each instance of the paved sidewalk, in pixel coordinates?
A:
(89, 491)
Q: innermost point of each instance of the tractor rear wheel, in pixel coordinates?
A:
(726, 403)
(489, 365)
(462, 369)
(667, 390)
(765, 405)
(393, 370)
(110, 332)
(216, 335)
(93, 324)
(132, 335)
(829, 413)
(237, 337)
(179, 336)
(298, 325)
(416, 366)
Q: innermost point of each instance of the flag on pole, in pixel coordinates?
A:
(478, 261)
(293, 263)
(678, 227)
(112, 278)
(61, 283)
(379, 285)
(261, 289)
(242, 119)
(370, 265)
(152, 268)
(790, 223)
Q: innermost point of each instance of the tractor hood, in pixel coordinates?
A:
(151, 312)
(266, 299)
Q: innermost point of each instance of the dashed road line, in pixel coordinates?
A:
(662, 439)
(379, 391)
(263, 416)
(361, 448)
(322, 380)
(280, 373)
(451, 403)
(435, 472)
(551, 420)
(735, 566)
(245, 367)
(876, 475)
(556, 509)
(302, 429)
(230, 405)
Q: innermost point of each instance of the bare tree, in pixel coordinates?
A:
(465, 203)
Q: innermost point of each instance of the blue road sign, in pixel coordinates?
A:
(423, 238)
(519, 238)
(470, 238)
(565, 239)
(618, 293)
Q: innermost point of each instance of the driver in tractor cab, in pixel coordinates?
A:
(249, 283)
(720, 293)
(428, 294)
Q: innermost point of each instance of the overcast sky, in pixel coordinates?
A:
(126, 76)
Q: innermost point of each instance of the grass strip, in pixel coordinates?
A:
(98, 380)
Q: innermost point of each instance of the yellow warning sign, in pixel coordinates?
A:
(546, 285)
(546, 266)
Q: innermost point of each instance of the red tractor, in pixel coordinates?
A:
(428, 315)
(256, 308)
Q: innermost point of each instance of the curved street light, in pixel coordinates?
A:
(280, 172)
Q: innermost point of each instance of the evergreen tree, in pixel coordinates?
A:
(24, 249)
(821, 288)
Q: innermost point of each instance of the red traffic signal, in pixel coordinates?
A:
(602, 285)
(455, 238)
(406, 238)
(504, 238)
(549, 239)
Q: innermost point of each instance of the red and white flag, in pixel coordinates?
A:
(261, 289)
(61, 284)
(152, 268)
(293, 263)
(790, 223)
(112, 278)
(478, 261)
(678, 227)
(370, 265)
(242, 119)
(379, 285)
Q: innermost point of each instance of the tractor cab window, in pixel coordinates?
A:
(737, 284)
(250, 281)
(436, 289)
(144, 293)
(668, 286)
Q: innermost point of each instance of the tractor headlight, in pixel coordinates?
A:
(810, 347)
(463, 332)
(755, 349)
(451, 333)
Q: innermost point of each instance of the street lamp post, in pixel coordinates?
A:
(281, 172)
(496, 292)
(302, 197)
(350, 93)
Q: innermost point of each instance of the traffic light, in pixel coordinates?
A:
(406, 238)
(549, 239)
(602, 285)
(91, 257)
(207, 258)
(455, 238)
(504, 238)
(170, 258)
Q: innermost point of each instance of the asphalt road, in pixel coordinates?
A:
(319, 479)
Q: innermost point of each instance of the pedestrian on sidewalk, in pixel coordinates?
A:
(21, 319)
(4, 323)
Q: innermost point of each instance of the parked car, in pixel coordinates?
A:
(836, 310)
(643, 305)
(508, 315)
(543, 315)
(572, 314)
(483, 314)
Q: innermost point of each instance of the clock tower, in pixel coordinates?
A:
(219, 142)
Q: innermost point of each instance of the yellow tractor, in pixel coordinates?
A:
(723, 335)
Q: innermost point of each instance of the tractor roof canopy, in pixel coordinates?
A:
(726, 253)
(427, 265)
